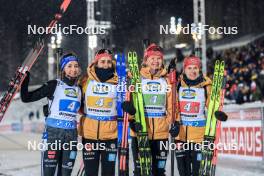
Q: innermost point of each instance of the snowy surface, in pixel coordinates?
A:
(19, 111)
(17, 160)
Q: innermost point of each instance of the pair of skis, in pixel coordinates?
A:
(15, 83)
(173, 81)
(218, 128)
(144, 152)
(122, 117)
(211, 122)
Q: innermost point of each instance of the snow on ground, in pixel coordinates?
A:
(17, 160)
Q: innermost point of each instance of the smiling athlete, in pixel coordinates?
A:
(64, 100)
(193, 98)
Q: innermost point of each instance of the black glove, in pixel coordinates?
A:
(128, 107)
(175, 129)
(26, 80)
(221, 116)
(24, 87)
(28, 73)
(135, 126)
(46, 110)
(172, 65)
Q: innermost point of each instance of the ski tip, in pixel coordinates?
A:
(123, 57)
(118, 59)
(65, 5)
(129, 54)
(222, 63)
(134, 54)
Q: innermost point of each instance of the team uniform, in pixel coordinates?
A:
(192, 101)
(60, 134)
(98, 125)
(157, 105)
(61, 125)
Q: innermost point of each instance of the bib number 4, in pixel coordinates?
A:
(69, 106)
(100, 102)
(189, 107)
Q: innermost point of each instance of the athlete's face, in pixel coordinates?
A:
(192, 72)
(154, 62)
(72, 69)
(104, 62)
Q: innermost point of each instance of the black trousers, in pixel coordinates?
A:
(159, 156)
(188, 159)
(99, 150)
(60, 153)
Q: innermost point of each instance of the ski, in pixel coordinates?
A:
(124, 151)
(81, 171)
(210, 129)
(142, 134)
(122, 117)
(173, 81)
(31, 58)
(218, 128)
(120, 97)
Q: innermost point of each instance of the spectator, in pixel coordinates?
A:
(245, 72)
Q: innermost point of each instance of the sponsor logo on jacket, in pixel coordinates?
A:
(70, 92)
(188, 94)
(153, 86)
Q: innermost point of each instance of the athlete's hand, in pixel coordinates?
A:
(221, 116)
(135, 126)
(128, 107)
(175, 129)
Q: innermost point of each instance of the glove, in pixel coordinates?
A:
(172, 64)
(28, 73)
(24, 87)
(128, 107)
(46, 110)
(221, 116)
(26, 80)
(175, 129)
(135, 126)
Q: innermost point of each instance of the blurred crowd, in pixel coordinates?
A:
(245, 72)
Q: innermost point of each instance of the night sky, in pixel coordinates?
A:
(133, 21)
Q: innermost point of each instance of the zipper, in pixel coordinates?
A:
(186, 135)
(98, 127)
(153, 128)
(152, 118)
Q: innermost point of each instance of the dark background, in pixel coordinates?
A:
(132, 22)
